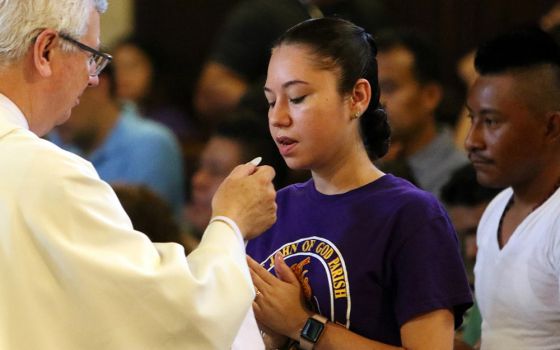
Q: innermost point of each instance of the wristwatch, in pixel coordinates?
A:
(311, 332)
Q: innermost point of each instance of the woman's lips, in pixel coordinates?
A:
(285, 145)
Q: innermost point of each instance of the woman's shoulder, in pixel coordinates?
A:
(406, 192)
(401, 196)
(295, 188)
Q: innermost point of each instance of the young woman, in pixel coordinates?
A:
(374, 255)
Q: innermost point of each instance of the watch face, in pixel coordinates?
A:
(312, 330)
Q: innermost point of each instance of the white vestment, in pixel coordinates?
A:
(74, 274)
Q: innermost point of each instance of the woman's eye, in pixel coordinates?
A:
(297, 100)
(271, 104)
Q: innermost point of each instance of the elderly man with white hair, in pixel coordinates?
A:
(75, 274)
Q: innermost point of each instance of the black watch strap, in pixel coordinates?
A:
(311, 331)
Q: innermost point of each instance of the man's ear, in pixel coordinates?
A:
(43, 52)
(553, 126)
(361, 95)
(432, 94)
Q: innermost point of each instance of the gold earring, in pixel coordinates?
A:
(356, 116)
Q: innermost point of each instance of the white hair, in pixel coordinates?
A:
(22, 20)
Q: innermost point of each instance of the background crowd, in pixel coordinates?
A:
(183, 104)
(172, 88)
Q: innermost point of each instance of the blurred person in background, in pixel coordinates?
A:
(235, 71)
(122, 145)
(467, 74)
(551, 18)
(550, 21)
(139, 78)
(238, 139)
(149, 213)
(411, 93)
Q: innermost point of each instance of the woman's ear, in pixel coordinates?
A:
(43, 50)
(361, 95)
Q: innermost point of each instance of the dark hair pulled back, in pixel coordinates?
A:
(340, 44)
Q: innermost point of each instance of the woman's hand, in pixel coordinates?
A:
(279, 306)
(279, 303)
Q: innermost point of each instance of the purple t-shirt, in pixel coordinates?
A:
(370, 259)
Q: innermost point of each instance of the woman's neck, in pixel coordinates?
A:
(346, 174)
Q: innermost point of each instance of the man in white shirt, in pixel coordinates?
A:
(75, 275)
(514, 142)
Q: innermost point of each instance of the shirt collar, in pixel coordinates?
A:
(14, 114)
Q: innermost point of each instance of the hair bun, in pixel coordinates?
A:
(376, 132)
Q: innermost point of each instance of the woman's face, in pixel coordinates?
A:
(133, 72)
(309, 119)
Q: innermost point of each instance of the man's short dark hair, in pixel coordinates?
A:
(463, 189)
(522, 48)
(426, 61)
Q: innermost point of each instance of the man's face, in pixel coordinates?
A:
(133, 73)
(71, 75)
(401, 94)
(82, 127)
(506, 137)
(219, 157)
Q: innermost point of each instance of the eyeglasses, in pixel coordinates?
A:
(97, 61)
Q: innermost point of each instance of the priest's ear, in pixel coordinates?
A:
(43, 51)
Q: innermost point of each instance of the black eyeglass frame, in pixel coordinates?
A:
(106, 58)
